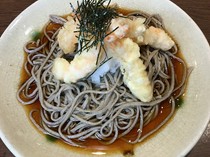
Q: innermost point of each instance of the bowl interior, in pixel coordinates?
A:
(176, 139)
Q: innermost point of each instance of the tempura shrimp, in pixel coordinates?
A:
(78, 68)
(126, 27)
(136, 30)
(132, 67)
(67, 36)
(158, 38)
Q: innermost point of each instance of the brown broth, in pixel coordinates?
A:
(119, 145)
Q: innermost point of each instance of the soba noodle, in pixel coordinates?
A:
(108, 111)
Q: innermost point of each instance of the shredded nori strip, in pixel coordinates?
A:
(94, 20)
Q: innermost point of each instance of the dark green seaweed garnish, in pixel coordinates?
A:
(51, 138)
(179, 102)
(94, 20)
(36, 35)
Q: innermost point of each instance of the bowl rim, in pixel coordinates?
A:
(185, 150)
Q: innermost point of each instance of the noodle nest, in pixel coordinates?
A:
(108, 111)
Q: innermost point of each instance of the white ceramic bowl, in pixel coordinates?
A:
(176, 139)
